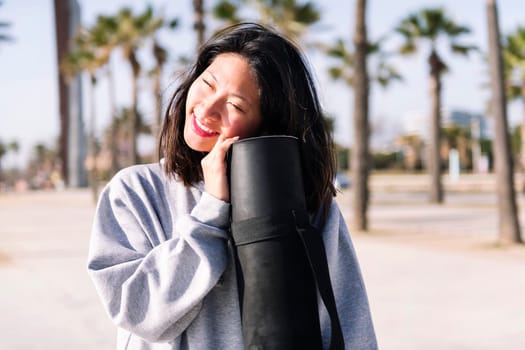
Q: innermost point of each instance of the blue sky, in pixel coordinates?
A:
(28, 88)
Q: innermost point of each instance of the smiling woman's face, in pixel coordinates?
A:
(223, 100)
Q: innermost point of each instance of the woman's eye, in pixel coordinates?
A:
(236, 107)
(206, 82)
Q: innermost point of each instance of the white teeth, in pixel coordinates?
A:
(203, 127)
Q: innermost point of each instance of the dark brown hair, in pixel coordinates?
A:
(289, 106)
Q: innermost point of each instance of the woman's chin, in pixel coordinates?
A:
(198, 144)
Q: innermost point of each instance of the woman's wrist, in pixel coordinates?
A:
(212, 211)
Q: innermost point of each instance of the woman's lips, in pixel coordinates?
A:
(201, 129)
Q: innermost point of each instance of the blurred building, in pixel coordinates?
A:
(479, 129)
(476, 123)
(417, 123)
(413, 141)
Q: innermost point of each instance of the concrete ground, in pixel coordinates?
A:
(435, 278)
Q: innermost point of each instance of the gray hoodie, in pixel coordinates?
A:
(161, 260)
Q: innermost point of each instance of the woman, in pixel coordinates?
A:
(160, 253)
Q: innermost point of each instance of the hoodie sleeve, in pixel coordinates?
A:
(348, 286)
(149, 286)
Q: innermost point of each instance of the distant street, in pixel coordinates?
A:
(434, 276)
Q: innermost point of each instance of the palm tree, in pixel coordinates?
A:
(226, 11)
(62, 33)
(290, 16)
(129, 39)
(509, 229)
(427, 26)
(411, 146)
(103, 35)
(5, 148)
(382, 72)
(85, 58)
(131, 34)
(360, 147)
(107, 34)
(351, 67)
(198, 24)
(41, 164)
(119, 134)
(160, 54)
(514, 59)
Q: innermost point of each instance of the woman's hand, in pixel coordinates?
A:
(214, 169)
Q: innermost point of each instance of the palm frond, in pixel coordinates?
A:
(463, 49)
(307, 14)
(227, 11)
(408, 48)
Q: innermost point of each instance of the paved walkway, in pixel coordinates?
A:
(434, 277)
(46, 300)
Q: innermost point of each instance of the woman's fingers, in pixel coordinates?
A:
(223, 144)
(214, 168)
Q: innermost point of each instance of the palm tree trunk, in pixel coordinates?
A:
(522, 129)
(434, 156)
(509, 230)
(62, 30)
(3, 151)
(92, 146)
(361, 124)
(134, 110)
(158, 106)
(160, 57)
(200, 27)
(113, 130)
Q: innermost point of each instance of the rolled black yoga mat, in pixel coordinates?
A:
(277, 271)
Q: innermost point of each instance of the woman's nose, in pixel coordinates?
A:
(210, 108)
